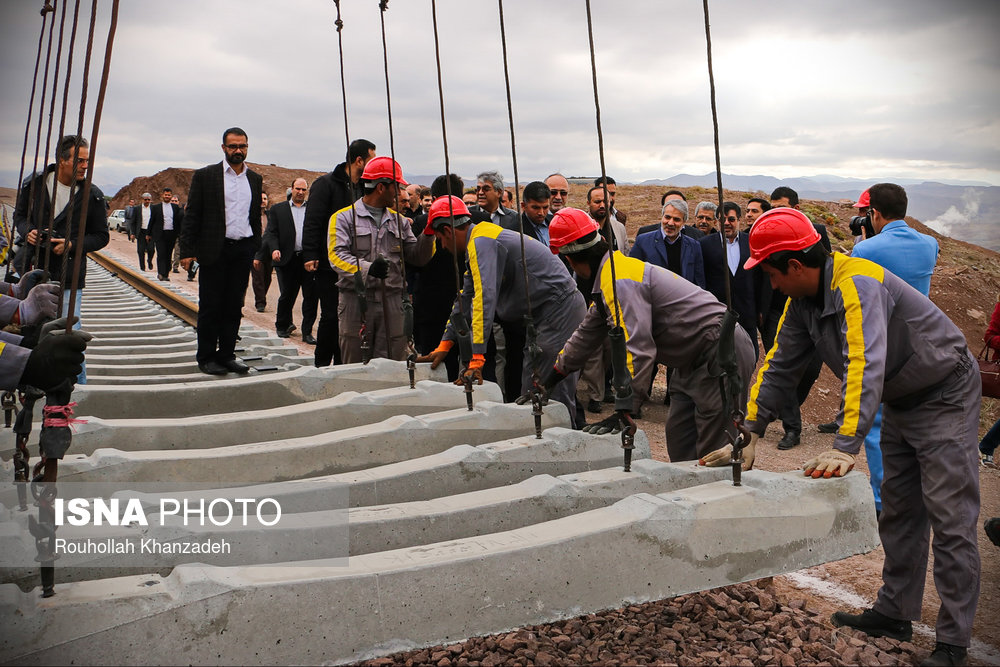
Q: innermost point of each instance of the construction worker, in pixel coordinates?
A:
(369, 239)
(889, 344)
(496, 286)
(667, 320)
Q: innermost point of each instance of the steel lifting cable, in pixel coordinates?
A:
(729, 382)
(622, 378)
(62, 129)
(38, 138)
(407, 306)
(360, 289)
(460, 327)
(531, 335)
(45, 11)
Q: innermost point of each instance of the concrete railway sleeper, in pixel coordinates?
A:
(425, 522)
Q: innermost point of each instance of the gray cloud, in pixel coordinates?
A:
(880, 90)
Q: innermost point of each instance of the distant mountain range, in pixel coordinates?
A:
(966, 210)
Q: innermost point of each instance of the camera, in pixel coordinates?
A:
(864, 222)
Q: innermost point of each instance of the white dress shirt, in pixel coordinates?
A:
(733, 253)
(237, 191)
(298, 217)
(146, 210)
(168, 217)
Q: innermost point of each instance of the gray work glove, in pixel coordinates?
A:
(612, 424)
(42, 303)
(27, 282)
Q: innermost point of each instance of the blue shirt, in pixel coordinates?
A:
(904, 251)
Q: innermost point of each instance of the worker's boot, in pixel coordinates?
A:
(945, 655)
(875, 624)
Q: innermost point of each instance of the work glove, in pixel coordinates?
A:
(831, 463)
(437, 355)
(551, 379)
(612, 424)
(724, 455)
(474, 371)
(32, 333)
(27, 282)
(379, 268)
(57, 357)
(42, 303)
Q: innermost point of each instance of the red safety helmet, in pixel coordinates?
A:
(568, 226)
(863, 200)
(779, 229)
(444, 208)
(383, 167)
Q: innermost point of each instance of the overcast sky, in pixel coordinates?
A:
(876, 90)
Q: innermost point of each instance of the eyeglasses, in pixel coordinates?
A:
(732, 218)
(561, 193)
(706, 218)
(234, 147)
(483, 188)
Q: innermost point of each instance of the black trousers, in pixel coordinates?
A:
(328, 332)
(260, 279)
(145, 249)
(222, 287)
(291, 278)
(165, 251)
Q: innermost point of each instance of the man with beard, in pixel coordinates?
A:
(222, 229)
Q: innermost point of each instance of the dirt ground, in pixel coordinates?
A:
(828, 587)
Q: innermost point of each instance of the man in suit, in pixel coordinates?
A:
(612, 187)
(535, 215)
(686, 230)
(165, 221)
(742, 282)
(770, 307)
(704, 216)
(282, 243)
(130, 219)
(669, 248)
(328, 194)
(489, 189)
(222, 229)
(612, 230)
(142, 217)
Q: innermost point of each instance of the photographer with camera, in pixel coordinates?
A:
(861, 224)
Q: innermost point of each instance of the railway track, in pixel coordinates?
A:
(383, 517)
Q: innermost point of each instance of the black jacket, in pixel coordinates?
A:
(744, 283)
(280, 234)
(34, 214)
(204, 230)
(156, 219)
(328, 194)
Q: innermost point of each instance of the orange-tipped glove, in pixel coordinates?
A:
(475, 370)
(437, 355)
(831, 463)
(724, 455)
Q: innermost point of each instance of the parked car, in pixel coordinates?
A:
(116, 220)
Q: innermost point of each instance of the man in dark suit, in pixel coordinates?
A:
(222, 229)
(686, 230)
(743, 283)
(165, 221)
(770, 306)
(328, 194)
(669, 248)
(489, 189)
(535, 215)
(282, 243)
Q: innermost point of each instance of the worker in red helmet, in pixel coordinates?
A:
(889, 344)
(667, 320)
(370, 239)
(494, 288)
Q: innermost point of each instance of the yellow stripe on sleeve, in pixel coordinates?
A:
(626, 268)
(480, 230)
(755, 389)
(856, 360)
(331, 244)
